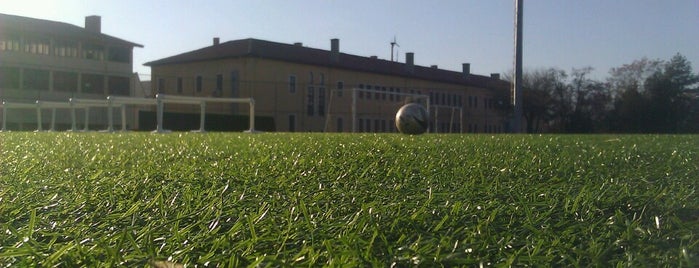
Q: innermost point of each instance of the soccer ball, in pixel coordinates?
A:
(412, 119)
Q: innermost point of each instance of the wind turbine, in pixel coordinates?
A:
(393, 44)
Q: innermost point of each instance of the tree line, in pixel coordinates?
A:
(645, 96)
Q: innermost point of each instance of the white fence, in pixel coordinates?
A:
(121, 102)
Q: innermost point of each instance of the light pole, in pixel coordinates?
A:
(517, 87)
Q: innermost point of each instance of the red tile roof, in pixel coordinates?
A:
(10, 24)
(305, 55)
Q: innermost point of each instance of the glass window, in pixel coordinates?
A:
(93, 52)
(36, 79)
(321, 101)
(9, 77)
(161, 85)
(234, 84)
(310, 99)
(179, 85)
(199, 84)
(92, 83)
(340, 87)
(219, 85)
(119, 54)
(292, 84)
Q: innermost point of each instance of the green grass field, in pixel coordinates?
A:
(134, 199)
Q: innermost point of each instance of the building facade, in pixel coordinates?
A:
(55, 61)
(314, 90)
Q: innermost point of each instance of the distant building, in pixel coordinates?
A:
(55, 61)
(308, 89)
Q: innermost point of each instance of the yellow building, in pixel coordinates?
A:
(55, 61)
(308, 89)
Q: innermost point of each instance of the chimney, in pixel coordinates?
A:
(495, 76)
(335, 50)
(434, 66)
(93, 24)
(374, 57)
(466, 67)
(216, 41)
(298, 44)
(410, 61)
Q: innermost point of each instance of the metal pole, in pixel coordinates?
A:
(517, 90)
(202, 115)
(53, 119)
(354, 110)
(252, 115)
(123, 117)
(38, 116)
(87, 119)
(4, 116)
(159, 115)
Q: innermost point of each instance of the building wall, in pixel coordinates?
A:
(51, 67)
(315, 101)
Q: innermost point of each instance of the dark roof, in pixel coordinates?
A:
(18, 24)
(299, 54)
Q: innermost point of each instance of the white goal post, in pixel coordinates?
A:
(111, 101)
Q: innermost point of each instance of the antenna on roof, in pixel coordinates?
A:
(394, 43)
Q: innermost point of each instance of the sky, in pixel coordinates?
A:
(564, 34)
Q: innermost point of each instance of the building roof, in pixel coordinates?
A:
(18, 24)
(305, 55)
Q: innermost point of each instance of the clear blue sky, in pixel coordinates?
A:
(557, 33)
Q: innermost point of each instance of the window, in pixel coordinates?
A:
(310, 78)
(310, 99)
(234, 84)
(367, 125)
(377, 94)
(9, 77)
(292, 84)
(321, 101)
(377, 125)
(119, 54)
(36, 46)
(92, 83)
(219, 85)
(65, 49)
(361, 93)
(360, 125)
(179, 85)
(475, 101)
(383, 94)
(199, 83)
(398, 97)
(391, 96)
(340, 87)
(36, 79)
(118, 85)
(65, 81)
(93, 52)
(322, 79)
(161, 85)
(9, 43)
(219, 82)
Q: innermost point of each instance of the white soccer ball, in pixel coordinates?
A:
(412, 118)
